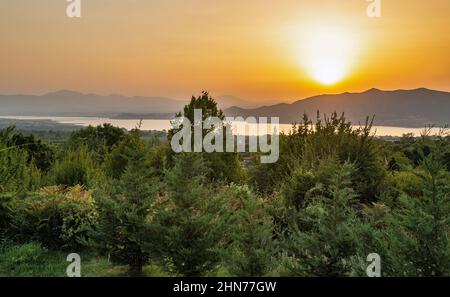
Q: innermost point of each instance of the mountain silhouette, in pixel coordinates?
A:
(399, 108)
(66, 102)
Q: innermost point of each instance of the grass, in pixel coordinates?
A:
(33, 260)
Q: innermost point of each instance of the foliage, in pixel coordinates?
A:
(225, 166)
(336, 195)
(23, 260)
(5, 214)
(251, 251)
(419, 234)
(327, 233)
(98, 140)
(75, 168)
(17, 172)
(33, 260)
(56, 217)
(117, 161)
(38, 153)
(190, 216)
(328, 138)
(126, 212)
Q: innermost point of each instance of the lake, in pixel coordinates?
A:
(161, 125)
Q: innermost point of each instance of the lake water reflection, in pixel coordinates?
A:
(161, 125)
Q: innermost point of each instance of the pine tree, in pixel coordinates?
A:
(327, 233)
(190, 218)
(224, 166)
(418, 235)
(126, 212)
(250, 231)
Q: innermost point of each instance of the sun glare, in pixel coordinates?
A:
(327, 54)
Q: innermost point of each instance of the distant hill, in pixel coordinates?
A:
(400, 108)
(70, 103)
(228, 101)
(73, 103)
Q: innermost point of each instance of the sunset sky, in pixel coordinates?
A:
(260, 50)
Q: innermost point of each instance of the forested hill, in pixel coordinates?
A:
(401, 108)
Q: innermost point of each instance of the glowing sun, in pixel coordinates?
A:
(327, 53)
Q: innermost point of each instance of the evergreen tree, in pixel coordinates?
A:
(75, 167)
(99, 140)
(126, 213)
(419, 229)
(18, 172)
(190, 217)
(250, 228)
(39, 153)
(327, 234)
(333, 137)
(224, 166)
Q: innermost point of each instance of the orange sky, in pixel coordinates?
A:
(247, 48)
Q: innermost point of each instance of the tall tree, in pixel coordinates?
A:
(126, 212)
(190, 217)
(250, 231)
(99, 140)
(225, 166)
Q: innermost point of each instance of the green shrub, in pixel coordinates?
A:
(16, 175)
(419, 228)
(333, 138)
(399, 161)
(250, 233)
(5, 214)
(99, 140)
(408, 182)
(55, 217)
(75, 168)
(328, 236)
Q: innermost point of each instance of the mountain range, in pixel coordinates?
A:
(399, 108)
(70, 103)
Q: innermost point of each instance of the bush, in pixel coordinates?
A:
(16, 175)
(408, 182)
(329, 138)
(250, 231)
(5, 214)
(55, 216)
(328, 236)
(419, 228)
(38, 152)
(99, 140)
(74, 169)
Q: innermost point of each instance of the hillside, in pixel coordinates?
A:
(401, 108)
(70, 103)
